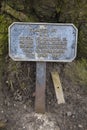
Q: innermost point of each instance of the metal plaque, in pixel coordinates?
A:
(42, 42)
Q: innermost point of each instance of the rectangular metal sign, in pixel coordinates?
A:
(42, 42)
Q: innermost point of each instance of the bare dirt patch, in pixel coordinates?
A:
(17, 101)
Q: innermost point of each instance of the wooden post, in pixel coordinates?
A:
(40, 87)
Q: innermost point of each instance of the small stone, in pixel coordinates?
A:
(24, 127)
(80, 126)
(49, 102)
(6, 82)
(25, 106)
(18, 96)
(73, 116)
(14, 105)
(69, 113)
(2, 111)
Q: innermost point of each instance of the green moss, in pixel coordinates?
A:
(4, 23)
(13, 71)
(82, 41)
(45, 10)
(18, 15)
(2, 70)
(17, 4)
(58, 9)
(77, 72)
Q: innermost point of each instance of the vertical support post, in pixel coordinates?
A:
(40, 87)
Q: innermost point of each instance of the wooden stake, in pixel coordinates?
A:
(58, 87)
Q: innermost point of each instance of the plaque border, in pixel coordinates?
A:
(42, 23)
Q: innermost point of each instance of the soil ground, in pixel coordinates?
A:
(17, 103)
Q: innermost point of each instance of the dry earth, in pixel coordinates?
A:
(17, 105)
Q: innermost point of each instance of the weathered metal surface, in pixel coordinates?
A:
(40, 87)
(42, 42)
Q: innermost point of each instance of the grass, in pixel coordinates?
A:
(77, 72)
